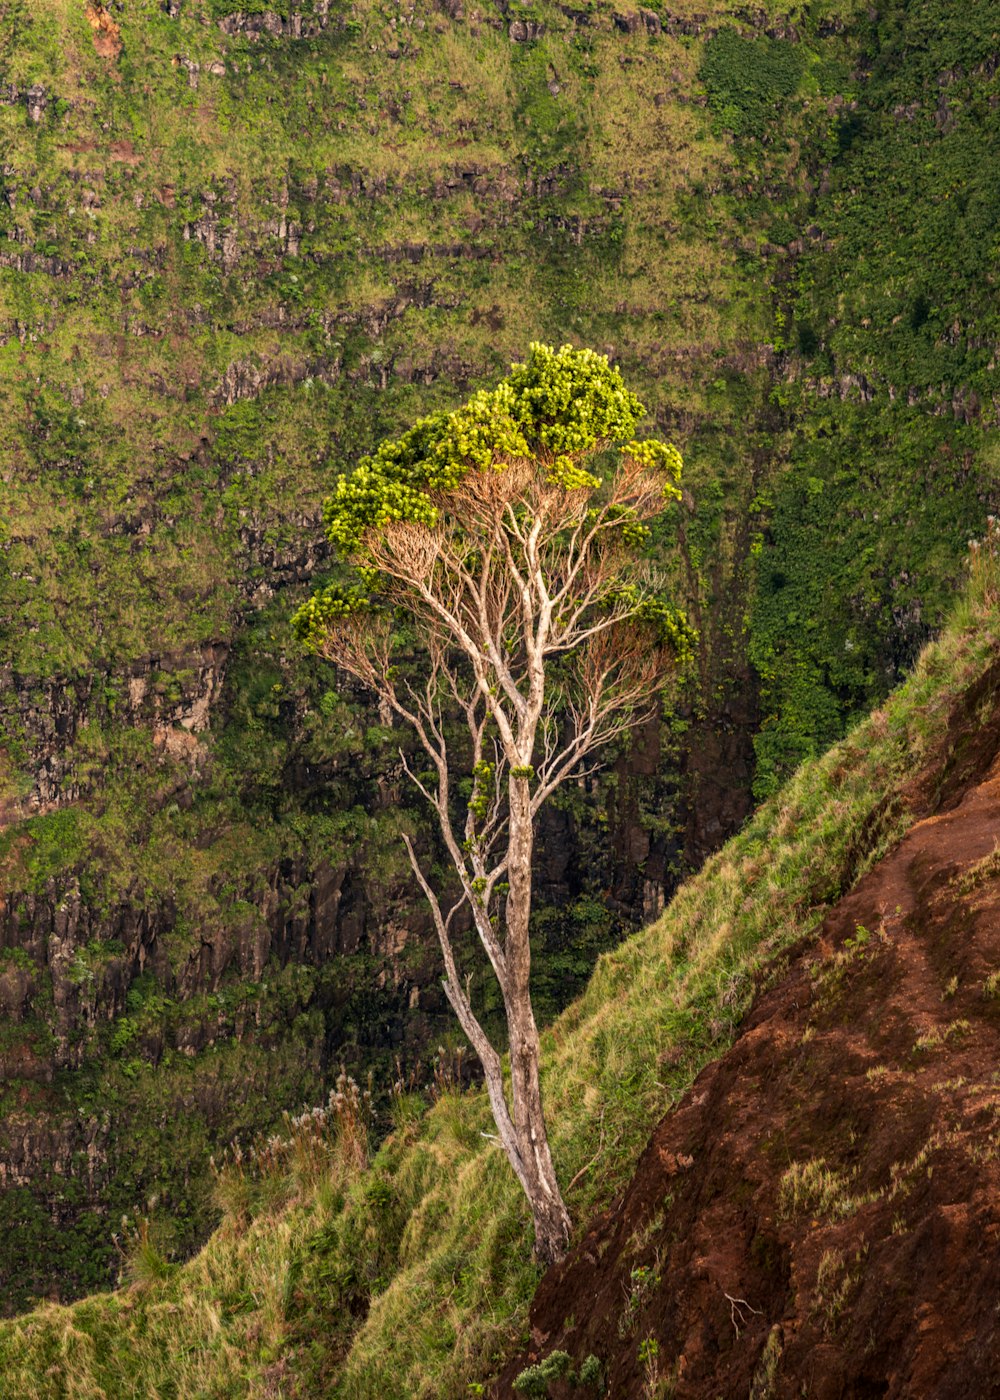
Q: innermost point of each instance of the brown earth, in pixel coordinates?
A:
(820, 1217)
(107, 34)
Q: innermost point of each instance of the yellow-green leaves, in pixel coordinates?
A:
(563, 471)
(482, 789)
(572, 401)
(370, 499)
(668, 625)
(557, 408)
(659, 456)
(325, 608)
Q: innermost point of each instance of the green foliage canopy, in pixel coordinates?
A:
(558, 409)
(747, 79)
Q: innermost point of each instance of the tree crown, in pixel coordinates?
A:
(552, 414)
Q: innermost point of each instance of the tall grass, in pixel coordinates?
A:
(410, 1275)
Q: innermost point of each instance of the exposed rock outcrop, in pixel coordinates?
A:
(270, 23)
(158, 692)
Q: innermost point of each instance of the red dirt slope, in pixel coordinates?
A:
(820, 1217)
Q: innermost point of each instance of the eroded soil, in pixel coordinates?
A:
(820, 1217)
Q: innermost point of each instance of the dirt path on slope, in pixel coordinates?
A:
(820, 1217)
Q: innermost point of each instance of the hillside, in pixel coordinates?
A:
(412, 1276)
(238, 244)
(821, 1212)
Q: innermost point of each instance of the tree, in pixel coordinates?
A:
(489, 536)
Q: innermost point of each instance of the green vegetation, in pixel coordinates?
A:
(890, 315)
(748, 81)
(411, 1276)
(230, 264)
(559, 1366)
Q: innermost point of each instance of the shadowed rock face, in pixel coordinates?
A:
(821, 1214)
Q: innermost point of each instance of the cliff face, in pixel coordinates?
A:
(238, 245)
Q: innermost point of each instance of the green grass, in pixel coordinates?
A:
(411, 1277)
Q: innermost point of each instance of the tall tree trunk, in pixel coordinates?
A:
(551, 1219)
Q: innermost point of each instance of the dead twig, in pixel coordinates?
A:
(593, 1161)
(738, 1316)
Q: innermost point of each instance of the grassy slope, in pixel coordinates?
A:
(411, 1277)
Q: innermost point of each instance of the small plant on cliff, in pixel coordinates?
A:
(143, 1251)
(505, 537)
(558, 1366)
(322, 1144)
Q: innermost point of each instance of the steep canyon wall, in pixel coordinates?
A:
(237, 246)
